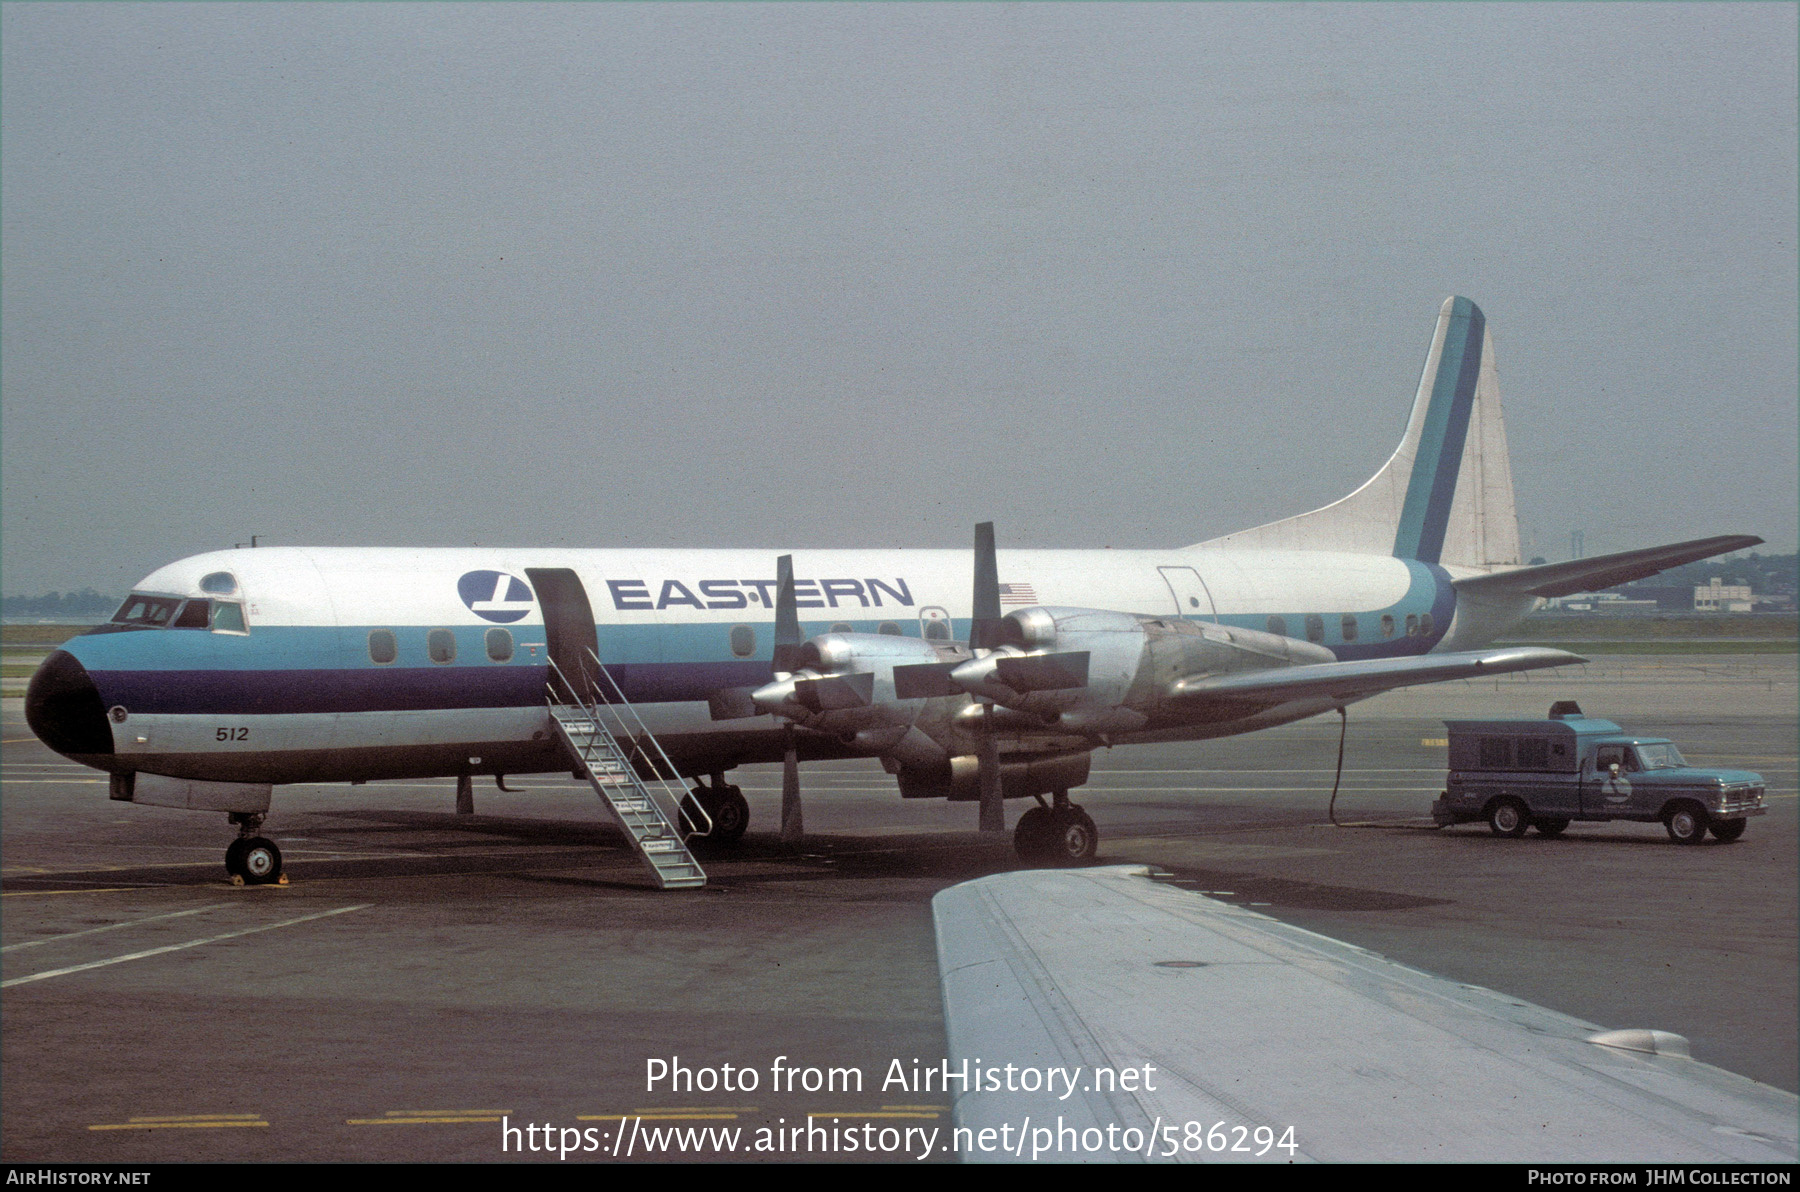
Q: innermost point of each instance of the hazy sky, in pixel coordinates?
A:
(864, 274)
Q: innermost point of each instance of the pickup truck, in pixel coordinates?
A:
(1547, 774)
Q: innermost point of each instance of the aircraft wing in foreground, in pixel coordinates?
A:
(1250, 1022)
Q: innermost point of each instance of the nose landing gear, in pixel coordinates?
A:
(253, 860)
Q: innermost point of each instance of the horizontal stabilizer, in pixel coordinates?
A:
(1601, 571)
(1353, 680)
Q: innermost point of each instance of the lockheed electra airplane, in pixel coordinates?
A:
(228, 673)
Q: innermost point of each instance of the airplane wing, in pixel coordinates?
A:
(1227, 1018)
(1601, 571)
(1355, 680)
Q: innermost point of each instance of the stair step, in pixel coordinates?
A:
(608, 769)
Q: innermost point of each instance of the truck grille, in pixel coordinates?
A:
(1741, 798)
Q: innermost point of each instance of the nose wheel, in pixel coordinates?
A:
(253, 860)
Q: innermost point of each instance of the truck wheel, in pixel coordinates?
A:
(1507, 817)
(1726, 831)
(1550, 827)
(1686, 823)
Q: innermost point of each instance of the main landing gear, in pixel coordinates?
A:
(1058, 834)
(724, 804)
(253, 860)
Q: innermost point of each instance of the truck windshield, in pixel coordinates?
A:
(1660, 757)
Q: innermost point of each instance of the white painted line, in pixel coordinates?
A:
(94, 964)
(69, 935)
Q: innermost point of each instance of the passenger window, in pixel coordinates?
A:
(1349, 626)
(228, 617)
(1424, 624)
(219, 583)
(1315, 628)
(743, 641)
(889, 628)
(1607, 757)
(440, 645)
(1387, 625)
(1412, 625)
(843, 627)
(499, 645)
(1278, 626)
(193, 615)
(937, 631)
(383, 646)
(1631, 761)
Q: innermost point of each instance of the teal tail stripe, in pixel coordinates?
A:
(1426, 514)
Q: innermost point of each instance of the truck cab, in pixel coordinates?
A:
(1547, 774)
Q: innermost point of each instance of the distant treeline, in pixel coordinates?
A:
(84, 603)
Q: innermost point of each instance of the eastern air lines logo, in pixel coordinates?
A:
(495, 595)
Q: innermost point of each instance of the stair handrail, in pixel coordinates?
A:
(644, 734)
(676, 815)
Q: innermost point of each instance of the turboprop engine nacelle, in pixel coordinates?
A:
(1097, 671)
(845, 686)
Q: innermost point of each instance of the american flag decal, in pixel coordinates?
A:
(1017, 594)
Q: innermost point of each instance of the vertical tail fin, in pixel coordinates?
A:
(1445, 495)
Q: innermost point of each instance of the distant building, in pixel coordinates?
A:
(1607, 603)
(1721, 597)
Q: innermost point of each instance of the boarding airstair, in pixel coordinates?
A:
(612, 748)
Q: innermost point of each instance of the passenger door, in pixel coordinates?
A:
(1192, 599)
(569, 633)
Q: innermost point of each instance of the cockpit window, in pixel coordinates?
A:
(193, 615)
(219, 583)
(228, 617)
(151, 611)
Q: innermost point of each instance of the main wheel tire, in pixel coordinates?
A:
(1550, 827)
(730, 815)
(1073, 837)
(234, 857)
(1726, 831)
(1508, 817)
(261, 862)
(1686, 823)
(1031, 836)
(696, 812)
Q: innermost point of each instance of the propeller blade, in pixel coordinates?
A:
(835, 692)
(986, 629)
(787, 618)
(1044, 672)
(993, 797)
(925, 680)
(793, 826)
(731, 703)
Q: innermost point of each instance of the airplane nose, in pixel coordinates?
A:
(64, 709)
